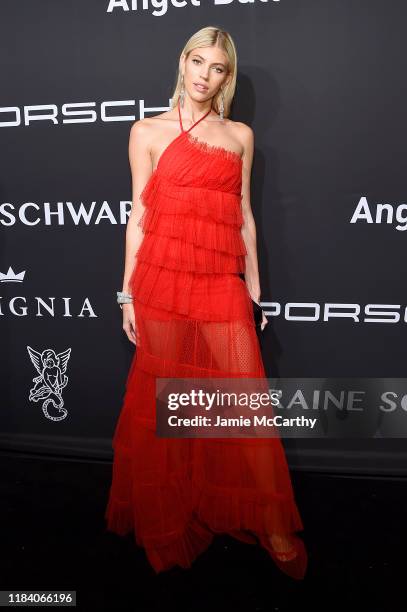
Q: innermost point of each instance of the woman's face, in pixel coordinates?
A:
(206, 67)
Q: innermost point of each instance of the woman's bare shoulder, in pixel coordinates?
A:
(242, 130)
(148, 127)
(149, 123)
(243, 133)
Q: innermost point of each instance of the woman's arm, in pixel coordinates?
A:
(141, 169)
(249, 226)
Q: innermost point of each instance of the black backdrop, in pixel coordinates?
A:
(322, 83)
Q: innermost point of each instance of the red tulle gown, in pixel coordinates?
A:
(195, 318)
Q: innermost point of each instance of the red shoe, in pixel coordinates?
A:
(292, 562)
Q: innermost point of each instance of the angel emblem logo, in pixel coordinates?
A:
(51, 380)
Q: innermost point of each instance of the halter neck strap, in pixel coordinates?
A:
(196, 122)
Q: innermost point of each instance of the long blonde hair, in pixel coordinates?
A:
(212, 36)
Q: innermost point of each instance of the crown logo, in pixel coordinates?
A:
(11, 276)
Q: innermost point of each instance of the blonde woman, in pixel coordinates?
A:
(190, 238)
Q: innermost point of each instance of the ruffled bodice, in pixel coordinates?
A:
(193, 218)
(192, 243)
(190, 162)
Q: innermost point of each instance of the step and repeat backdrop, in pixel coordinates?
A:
(322, 85)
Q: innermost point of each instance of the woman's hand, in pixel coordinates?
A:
(255, 295)
(129, 324)
(264, 322)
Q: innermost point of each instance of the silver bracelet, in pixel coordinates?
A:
(123, 298)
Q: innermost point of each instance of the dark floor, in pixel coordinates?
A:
(53, 537)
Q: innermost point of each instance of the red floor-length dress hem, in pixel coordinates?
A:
(195, 319)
